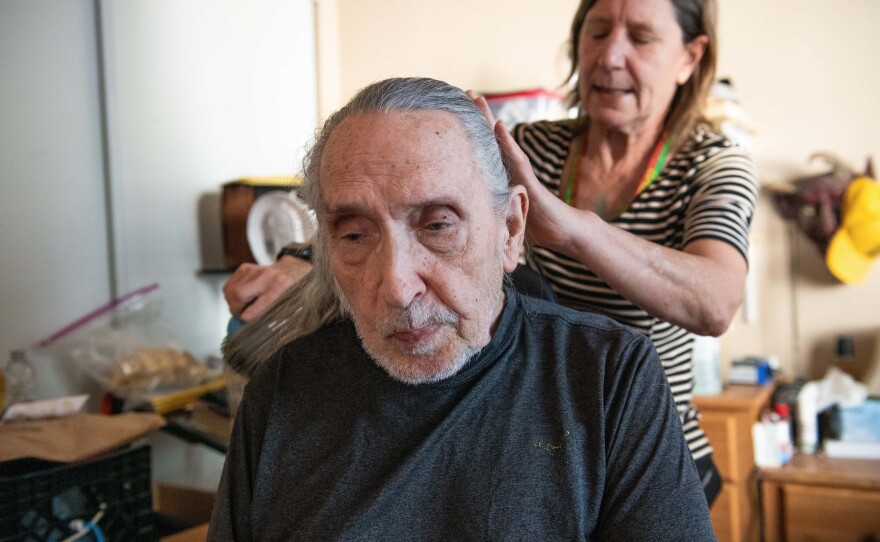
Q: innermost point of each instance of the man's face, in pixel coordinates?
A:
(417, 252)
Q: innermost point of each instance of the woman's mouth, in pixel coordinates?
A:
(611, 91)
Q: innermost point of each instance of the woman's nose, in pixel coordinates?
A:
(614, 50)
(400, 274)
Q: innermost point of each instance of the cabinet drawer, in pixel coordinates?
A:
(734, 515)
(731, 438)
(722, 515)
(819, 514)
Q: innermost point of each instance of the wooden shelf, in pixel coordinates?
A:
(820, 470)
(818, 498)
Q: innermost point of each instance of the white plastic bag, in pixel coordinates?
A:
(126, 347)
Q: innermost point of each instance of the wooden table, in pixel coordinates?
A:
(818, 498)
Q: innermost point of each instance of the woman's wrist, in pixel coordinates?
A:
(575, 235)
(301, 251)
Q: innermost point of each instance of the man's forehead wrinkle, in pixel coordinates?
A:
(347, 199)
(397, 162)
(348, 180)
(378, 162)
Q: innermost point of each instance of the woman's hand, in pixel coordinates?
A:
(549, 217)
(551, 221)
(252, 288)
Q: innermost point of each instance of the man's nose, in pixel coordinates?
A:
(400, 273)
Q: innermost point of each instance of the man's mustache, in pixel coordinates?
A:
(417, 315)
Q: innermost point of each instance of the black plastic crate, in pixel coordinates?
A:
(39, 499)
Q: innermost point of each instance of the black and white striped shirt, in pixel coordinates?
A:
(707, 190)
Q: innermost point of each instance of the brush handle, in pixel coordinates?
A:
(235, 323)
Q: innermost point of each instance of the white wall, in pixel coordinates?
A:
(200, 92)
(483, 45)
(53, 242)
(808, 71)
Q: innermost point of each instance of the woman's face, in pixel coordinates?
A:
(632, 60)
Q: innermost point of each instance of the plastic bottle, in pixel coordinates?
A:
(808, 418)
(782, 424)
(707, 370)
(766, 441)
(20, 378)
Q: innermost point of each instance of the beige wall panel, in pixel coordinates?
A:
(484, 45)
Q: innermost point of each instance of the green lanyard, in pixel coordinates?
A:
(658, 161)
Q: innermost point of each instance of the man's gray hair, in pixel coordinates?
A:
(312, 303)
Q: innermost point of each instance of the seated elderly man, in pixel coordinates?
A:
(421, 398)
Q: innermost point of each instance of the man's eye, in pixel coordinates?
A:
(437, 226)
(352, 237)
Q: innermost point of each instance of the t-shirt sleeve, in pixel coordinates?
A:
(231, 517)
(653, 490)
(725, 189)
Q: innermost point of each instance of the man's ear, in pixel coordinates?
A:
(516, 227)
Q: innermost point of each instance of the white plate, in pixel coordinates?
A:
(277, 218)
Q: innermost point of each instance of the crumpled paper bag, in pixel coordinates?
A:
(74, 438)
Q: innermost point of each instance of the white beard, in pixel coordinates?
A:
(437, 359)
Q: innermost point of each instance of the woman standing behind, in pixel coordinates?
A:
(639, 209)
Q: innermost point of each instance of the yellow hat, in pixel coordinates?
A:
(856, 243)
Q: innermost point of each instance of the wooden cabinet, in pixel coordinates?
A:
(817, 499)
(727, 419)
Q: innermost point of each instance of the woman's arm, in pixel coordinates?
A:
(698, 288)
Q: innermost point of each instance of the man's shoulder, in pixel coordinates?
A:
(336, 341)
(547, 313)
(591, 349)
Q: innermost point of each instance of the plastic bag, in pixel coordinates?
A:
(126, 348)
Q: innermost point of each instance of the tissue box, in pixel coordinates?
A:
(859, 432)
(750, 370)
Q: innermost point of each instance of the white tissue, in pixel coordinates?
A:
(836, 388)
(48, 408)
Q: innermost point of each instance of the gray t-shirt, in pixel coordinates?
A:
(562, 428)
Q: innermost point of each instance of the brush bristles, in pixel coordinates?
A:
(303, 309)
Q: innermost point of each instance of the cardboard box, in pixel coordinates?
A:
(189, 506)
(196, 534)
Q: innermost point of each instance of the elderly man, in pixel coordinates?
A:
(422, 399)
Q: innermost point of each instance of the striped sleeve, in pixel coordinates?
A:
(725, 191)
